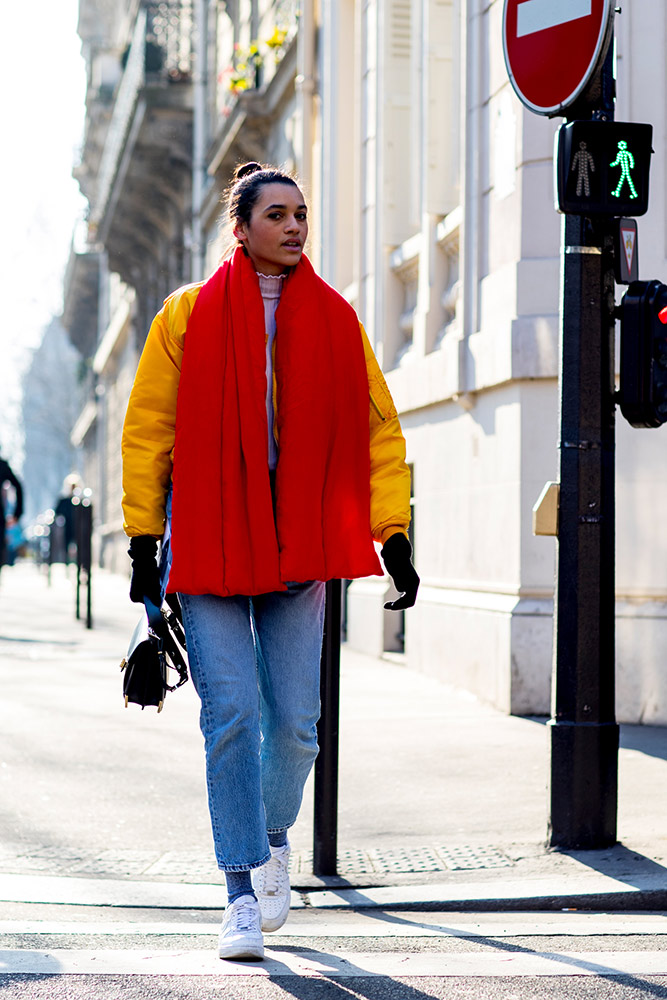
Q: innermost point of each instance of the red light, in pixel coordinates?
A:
(662, 315)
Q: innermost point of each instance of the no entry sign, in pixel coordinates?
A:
(554, 47)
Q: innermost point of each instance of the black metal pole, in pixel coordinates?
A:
(50, 557)
(584, 733)
(325, 826)
(88, 535)
(77, 535)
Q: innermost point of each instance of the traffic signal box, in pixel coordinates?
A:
(604, 167)
(643, 391)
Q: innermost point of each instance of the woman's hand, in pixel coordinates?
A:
(145, 581)
(397, 556)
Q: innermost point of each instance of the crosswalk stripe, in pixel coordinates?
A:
(383, 925)
(325, 965)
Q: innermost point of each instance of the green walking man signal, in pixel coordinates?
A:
(603, 168)
(626, 161)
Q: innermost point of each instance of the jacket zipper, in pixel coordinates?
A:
(379, 411)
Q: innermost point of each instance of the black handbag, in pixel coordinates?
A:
(157, 645)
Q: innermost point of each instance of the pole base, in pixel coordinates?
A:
(584, 785)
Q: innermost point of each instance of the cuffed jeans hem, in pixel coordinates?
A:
(244, 868)
(279, 829)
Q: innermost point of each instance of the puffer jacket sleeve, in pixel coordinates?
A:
(390, 475)
(150, 421)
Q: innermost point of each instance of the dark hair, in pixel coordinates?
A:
(247, 183)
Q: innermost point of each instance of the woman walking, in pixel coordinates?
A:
(258, 398)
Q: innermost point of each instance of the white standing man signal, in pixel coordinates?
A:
(584, 164)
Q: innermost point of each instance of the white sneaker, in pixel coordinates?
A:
(241, 934)
(271, 885)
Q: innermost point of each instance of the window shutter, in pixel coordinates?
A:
(443, 126)
(399, 155)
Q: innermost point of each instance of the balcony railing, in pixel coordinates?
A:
(161, 49)
(170, 33)
(131, 83)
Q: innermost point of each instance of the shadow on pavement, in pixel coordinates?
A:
(45, 642)
(648, 739)
(361, 985)
(621, 863)
(376, 987)
(651, 740)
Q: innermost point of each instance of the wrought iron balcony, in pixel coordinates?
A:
(159, 57)
(141, 185)
(169, 38)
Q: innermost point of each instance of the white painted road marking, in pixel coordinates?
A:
(325, 965)
(385, 925)
(537, 15)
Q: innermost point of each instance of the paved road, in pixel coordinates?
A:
(107, 888)
(79, 952)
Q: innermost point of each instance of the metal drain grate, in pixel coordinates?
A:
(407, 860)
(200, 866)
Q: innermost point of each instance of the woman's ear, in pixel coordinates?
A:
(239, 232)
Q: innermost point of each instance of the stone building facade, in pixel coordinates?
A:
(440, 202)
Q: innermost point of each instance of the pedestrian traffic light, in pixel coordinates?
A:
(604, 167)
(643, 391)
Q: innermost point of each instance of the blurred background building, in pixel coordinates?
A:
(432, 212)
(50, 407)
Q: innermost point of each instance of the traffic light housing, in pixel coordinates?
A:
(603, 168)
(643, 390)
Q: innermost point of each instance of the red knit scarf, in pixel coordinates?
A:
(225, 537)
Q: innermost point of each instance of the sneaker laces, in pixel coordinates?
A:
(244, 915)
(271, 876)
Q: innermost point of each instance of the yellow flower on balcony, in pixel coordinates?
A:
(243, 74)
(237, 84)
(277, 39)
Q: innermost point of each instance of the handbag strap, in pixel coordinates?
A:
(160, 622)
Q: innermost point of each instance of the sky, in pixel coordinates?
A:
(40, 202)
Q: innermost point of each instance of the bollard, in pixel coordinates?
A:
(76, 503)
(87, 513)
(325, 825)
(83, 531)
(49, 518)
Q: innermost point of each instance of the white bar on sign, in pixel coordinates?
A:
(537, 15)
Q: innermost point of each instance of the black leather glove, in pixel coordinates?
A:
(145, 580)
(397, 556)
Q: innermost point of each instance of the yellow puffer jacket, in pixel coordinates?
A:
(148, 434)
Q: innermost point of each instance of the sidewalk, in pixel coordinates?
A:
(442, 800)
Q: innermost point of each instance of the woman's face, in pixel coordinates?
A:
(277, 231)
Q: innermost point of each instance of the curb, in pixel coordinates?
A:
(590, 893)
(599, 893)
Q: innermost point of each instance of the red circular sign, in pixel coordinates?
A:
(554, 47)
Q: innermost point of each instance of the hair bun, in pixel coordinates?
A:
(247, 168)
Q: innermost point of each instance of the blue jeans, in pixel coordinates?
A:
(255, 663)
